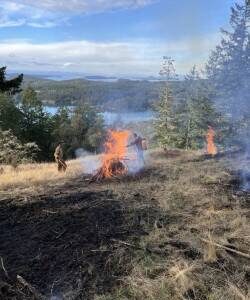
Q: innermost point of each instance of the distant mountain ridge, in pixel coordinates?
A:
(58, 76)
(106, 94)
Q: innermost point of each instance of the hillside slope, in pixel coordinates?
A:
(178, 230)
(120, 95)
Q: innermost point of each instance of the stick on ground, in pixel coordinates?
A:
(36, 294)
(227, 248)
(3, 267)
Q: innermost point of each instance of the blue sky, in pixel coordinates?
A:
(117, 37)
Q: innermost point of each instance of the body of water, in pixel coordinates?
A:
(127, 117)
(116, 117)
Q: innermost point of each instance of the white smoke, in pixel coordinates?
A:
(56, 298)
(241, 165)
(90, 162)
(133, 162)
(136, 162)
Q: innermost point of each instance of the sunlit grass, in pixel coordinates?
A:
(29, 175)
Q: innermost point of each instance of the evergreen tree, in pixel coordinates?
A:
(29, 123)
(184, 123)
(165, 126)
(81, 128)
(184, 109)
(11, 86)
(10, 115)
(87, 127)
(13, 152)
(197, 111)
(36, 124)
(62, 130)
(229, 65)
(201, 114)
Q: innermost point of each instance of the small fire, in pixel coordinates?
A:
(211, 147)
(115, 153)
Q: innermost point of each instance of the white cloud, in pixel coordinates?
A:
(136, 57)
(85, 5)
(11, 6)
(6, 22)
(50, 13)
(13, 14)
(47, 24)
(68, 64)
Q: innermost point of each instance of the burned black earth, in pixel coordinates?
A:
(70, 245)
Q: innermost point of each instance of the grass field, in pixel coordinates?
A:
(178, 230)
(34, 177)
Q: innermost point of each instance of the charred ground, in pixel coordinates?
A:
(150, 236)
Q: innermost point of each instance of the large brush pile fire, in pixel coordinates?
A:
(114, 156)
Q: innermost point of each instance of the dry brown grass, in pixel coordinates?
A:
(181, 274)
(149, 283)
(194, 191)
(197, 206)
(237, 293)
(33, 175)
(210, 252)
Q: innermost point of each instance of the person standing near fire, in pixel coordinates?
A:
(61, 164)
(140, 146)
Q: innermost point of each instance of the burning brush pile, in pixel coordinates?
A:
(114, 157)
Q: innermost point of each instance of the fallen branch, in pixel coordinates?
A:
(127, 244)
(3, 267)
(135, 246)
(61, 234)
(101, 250)
(226, 248)
(36, 294)
(49, 211)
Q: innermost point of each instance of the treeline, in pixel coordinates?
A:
(27, 132)
(183, 123)
(121, 95)
(221, 101)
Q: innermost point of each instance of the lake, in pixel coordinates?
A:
(113, 117)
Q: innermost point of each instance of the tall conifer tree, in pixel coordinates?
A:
(165, 124)
(229, 65)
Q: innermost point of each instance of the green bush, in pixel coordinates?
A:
(13, 152)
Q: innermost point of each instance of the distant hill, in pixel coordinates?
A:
(99, 77)
(118, 95)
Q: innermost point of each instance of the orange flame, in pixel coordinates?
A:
(115, 151)
(211, 147)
